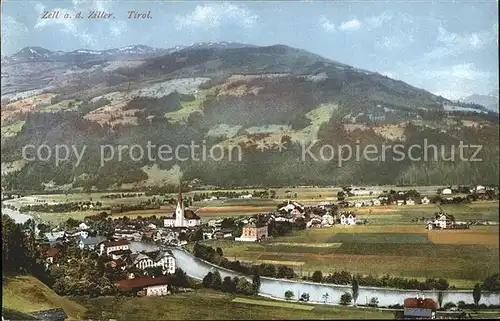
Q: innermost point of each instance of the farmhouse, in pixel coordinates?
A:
(419, 308)
(51, 254)
(410, 202)
(441, 220)
(446, 191)
(327, 220)
(348, 219)
(253, 232)
(144, 286)
(425, 200)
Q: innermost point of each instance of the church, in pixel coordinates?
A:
(182, 217)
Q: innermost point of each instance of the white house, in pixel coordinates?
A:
(91, 243)
(327, 219)
(53, 236)
(165, 260)
(376, 202)
(112, 246)
(157, 290)
(425, 200)
(479, 187)
(83, 226)
(441, 221)
(348, 219)
(446, 191)
(410, 202)
(361, 192)
(400, 202)
(246, 196)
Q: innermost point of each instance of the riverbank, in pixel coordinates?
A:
(276, 288)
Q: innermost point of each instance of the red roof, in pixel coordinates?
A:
(190, 215)
(116, 243)
(420, 303)
(52, 251)
(139, 283)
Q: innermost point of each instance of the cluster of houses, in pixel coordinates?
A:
(446, 221)
(122, 256)
(383, 200)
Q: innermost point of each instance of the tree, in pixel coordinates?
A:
(346, 298)
(207, 280)
(243, 286)
(219, 251)
(476, 294)
(304, 297)
(216, 281)
(289, 295)
(180, 278)
(227, 284)
(256, 282)
(440, 298)
(492, 283)
(355, 289)
(317, 276)
(325, 297)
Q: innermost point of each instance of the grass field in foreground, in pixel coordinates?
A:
(25, 294)
(275, 304)
(211, 305)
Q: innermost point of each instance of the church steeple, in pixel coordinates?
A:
(179, 211)
(179, 195)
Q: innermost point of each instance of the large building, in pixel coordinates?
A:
(163, 259)
(182, 217)
(253, 232)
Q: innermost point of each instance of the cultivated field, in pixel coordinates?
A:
(461, 256)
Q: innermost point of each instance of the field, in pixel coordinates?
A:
(274, 304)
(463, 256)
(25, 294)
(210, 305)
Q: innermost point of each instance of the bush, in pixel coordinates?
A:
(346, 298)
(373, 302)
(317, 276)
(449, 305)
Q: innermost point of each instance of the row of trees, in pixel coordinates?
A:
(60, 207)
(231, 285)
(344, 277)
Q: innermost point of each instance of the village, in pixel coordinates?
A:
(137, 250)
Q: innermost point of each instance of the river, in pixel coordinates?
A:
(276, 288)
(16, 215)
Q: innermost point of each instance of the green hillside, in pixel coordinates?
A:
(23, 294)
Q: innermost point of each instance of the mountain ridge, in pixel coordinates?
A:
(230, 95)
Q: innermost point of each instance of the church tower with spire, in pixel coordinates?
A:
(179, 210)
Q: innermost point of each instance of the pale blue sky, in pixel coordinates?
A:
(445, 47)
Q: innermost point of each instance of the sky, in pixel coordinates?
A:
(449, 48)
